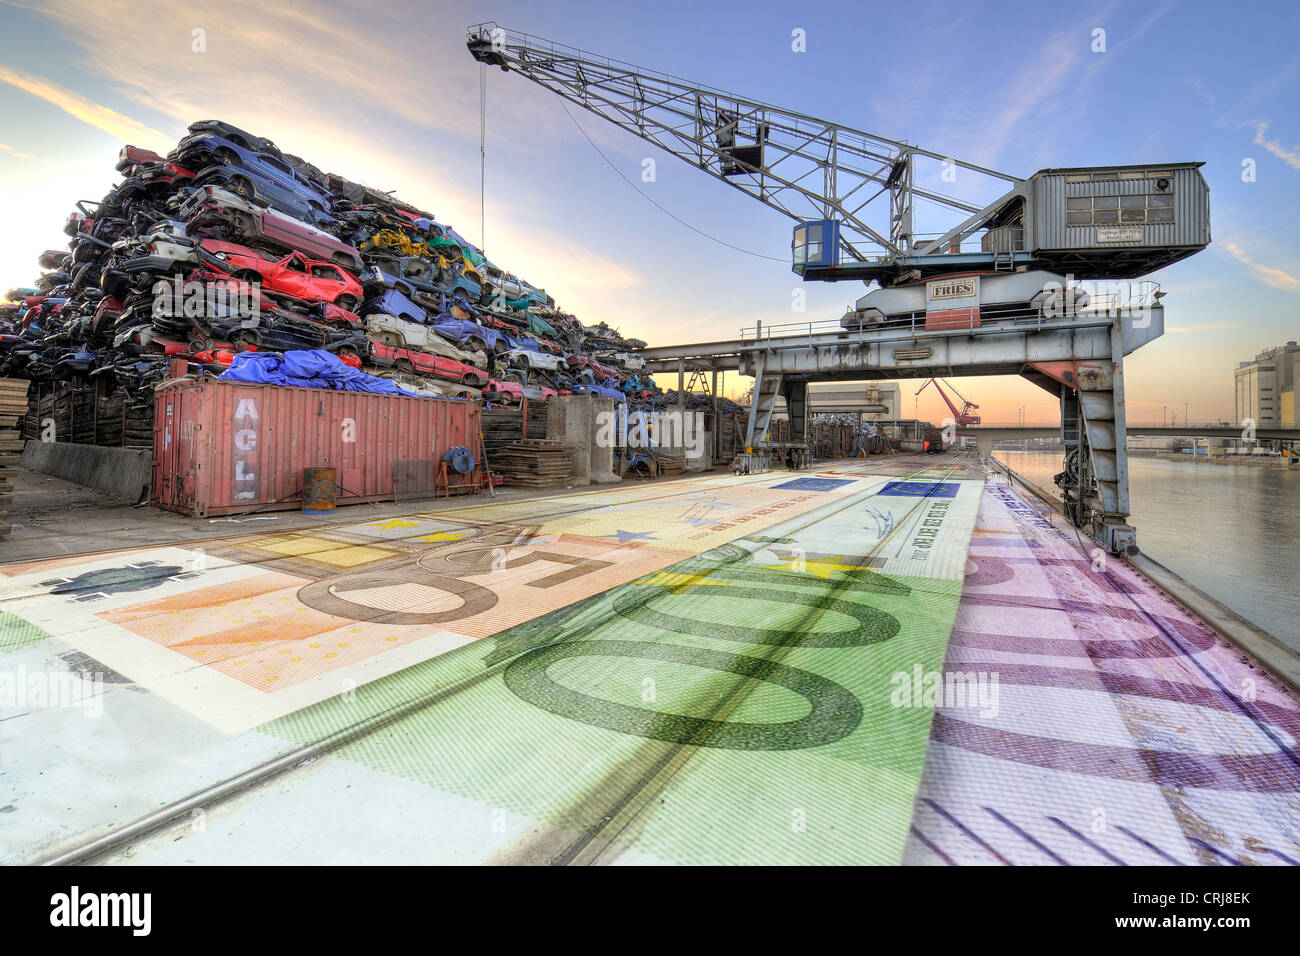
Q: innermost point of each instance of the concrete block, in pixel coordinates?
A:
(569, 420)
(124, 472)
(577, 421)
(601, 463)
(703, 460)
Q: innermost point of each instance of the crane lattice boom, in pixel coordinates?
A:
(853, 193)
(802, 166)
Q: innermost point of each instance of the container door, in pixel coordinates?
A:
(165, 451)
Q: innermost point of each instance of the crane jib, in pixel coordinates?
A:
(853, 194)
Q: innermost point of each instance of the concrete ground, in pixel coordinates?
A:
(52, 517)
(873, 661)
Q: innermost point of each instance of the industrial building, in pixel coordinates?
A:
(1265, 387)
(875, 400)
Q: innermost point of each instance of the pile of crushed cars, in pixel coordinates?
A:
(228, 244)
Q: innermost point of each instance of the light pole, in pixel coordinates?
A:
(1186, 420)
(1164, 415)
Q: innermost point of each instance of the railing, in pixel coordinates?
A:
(1130, 424)
(1140, 294)
(785, 330)
(1105, 298)
(1011, 319)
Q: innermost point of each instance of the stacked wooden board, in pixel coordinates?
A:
(501, 426)
(670, 464)
(13, 405)
(534, 463)
(74, 413)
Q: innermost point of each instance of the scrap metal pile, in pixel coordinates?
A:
(857, 437)
(229, 244)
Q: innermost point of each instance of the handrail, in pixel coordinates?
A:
(915, 328)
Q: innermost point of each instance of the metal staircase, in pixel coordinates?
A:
(766, 389)
(1093, 426)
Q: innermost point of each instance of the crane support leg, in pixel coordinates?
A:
(767, 386)
(795, 393)
(760, 454)
(1093, 424)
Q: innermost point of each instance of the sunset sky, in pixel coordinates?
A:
(388, 95)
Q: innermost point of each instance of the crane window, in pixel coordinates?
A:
(1114, 175)
(815, 243)
(808, 244)
(1153, 207)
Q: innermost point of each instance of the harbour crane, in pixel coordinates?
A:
(963, 417)
(995, 292)
(853, 193)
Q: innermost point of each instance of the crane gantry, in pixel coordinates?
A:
(993, 293)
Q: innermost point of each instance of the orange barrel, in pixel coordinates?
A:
(320, 490)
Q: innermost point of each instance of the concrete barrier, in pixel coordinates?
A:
(580, 421)
(124, 472)
(570, 419)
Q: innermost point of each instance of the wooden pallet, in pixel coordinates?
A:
(8, 470)
(13, 396)
(13, 405)
(670, 465)
(534, 463)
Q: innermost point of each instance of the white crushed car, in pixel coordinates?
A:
(399, 333)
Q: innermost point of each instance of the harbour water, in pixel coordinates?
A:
(1230, 530)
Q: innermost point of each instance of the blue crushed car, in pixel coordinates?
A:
(393, 302)
(471, 333)
(377, 281)
(254, 175)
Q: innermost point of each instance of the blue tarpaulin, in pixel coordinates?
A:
(308, 368)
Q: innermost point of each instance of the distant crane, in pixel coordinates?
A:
(963, 417)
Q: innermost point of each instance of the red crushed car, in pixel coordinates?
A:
(295, 275)
(136, 156)
(208, 206)
(149, 167)
(602, 372)
(512, 393)
(425, 363)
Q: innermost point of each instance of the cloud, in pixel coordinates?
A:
(1277, 278)
(6, 148)
(1142, 28)
(358, 72)
(1289, 156)
(1202, 327)
(116, 124)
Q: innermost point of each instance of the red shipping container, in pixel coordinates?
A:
(225, 448)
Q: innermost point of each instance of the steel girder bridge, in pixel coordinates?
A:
(1080, 360)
